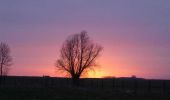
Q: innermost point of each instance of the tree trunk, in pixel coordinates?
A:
(1, 75)
(75, 80)
(1, 70)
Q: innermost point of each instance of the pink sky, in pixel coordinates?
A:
(134, 34)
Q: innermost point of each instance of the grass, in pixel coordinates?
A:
(73, 93)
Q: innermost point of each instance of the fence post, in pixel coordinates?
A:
(164, 86)
(113, 83)
(135, 86)
(149, 86)
(102, 83)
(123, 85)
(91, 81)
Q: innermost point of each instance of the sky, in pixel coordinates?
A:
(135, 35)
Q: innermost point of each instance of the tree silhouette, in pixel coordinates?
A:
(5, 59)
(78, 55)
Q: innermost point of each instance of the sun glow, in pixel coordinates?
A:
(96, 74)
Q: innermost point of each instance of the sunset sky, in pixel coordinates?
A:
(135, 35)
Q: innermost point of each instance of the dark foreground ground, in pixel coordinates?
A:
(74, 93)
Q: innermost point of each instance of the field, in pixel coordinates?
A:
(71, 93)
(39, 88)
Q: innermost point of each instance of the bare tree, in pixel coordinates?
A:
(78, 55)
(5, 59)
